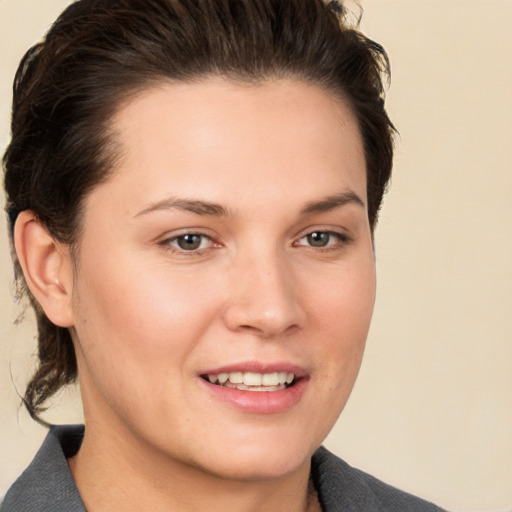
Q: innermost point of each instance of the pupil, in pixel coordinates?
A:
(318, 239)
(189, 242)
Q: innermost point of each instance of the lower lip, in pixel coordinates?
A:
(260, 402)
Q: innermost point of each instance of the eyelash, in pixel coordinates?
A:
(341, 240)
(168, 243)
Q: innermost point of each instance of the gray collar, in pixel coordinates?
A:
(47, 485)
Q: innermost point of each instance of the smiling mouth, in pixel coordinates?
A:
(251, 381)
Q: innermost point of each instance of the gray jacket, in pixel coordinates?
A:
(47, 484)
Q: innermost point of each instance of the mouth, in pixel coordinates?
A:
(252, 381)
(257, 388)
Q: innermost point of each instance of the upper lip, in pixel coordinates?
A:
(258, 367)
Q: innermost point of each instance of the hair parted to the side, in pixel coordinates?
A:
(99, 52)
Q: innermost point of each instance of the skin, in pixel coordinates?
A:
(148, 317)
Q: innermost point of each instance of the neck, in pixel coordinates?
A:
(115, 470)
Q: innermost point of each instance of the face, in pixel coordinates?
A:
(225, 281)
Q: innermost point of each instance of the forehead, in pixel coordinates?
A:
(206, 137)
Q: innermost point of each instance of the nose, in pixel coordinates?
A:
(264, 298)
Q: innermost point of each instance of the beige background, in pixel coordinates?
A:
(432, 410)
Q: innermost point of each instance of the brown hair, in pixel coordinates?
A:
(99, 52)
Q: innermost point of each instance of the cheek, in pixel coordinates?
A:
(138, 331)
(147, 299)
(343, 308)
(139, 322)
(344, 300)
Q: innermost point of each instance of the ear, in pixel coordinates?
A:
(47, 268)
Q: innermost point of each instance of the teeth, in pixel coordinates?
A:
(236, 377)
(252, 381)
(270, 379)
(282, 376)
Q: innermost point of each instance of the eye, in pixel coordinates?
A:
(323, 239)
(189, 242)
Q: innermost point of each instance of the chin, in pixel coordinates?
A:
(261, 461)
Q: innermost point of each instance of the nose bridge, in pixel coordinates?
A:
(264, 298)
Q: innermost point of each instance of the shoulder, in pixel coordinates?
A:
(342, 488)
(47, 484)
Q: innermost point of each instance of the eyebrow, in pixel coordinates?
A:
(216, 210)
(331, 202)
(189, 205)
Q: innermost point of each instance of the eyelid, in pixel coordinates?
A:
(175, 233)
(342, 237)
(166, 241)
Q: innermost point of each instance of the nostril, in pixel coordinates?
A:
(265, 306)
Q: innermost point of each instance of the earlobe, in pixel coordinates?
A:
(47, 268)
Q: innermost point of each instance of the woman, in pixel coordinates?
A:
(193, 188)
